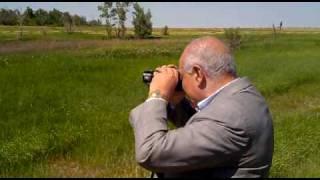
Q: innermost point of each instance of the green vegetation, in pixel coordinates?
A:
(142, 22)
(113, 13)
(65, 99)
(38, 17)
(165, 31)
(233, 38)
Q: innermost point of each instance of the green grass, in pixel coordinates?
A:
(64, 112)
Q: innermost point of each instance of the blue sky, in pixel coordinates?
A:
(202, 14)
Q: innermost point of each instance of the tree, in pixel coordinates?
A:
(8, 17)
(106, 13)
(79, 20)
(68, 22)
(41, 17)
(83, 20)
(141, 22)
(120, 12)
(29, 17)
(21, 17)
(165, 31)
(56, 17)
(94, 22)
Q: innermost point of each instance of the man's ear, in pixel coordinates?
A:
(199, 74)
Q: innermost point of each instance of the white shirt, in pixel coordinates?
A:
(204, 103)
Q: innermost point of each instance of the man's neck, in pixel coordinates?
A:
(214, 85)
(211, 87)
(205, 101)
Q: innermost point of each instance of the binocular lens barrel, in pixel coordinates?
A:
(148, 75)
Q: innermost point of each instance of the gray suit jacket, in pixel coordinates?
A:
(231, 137)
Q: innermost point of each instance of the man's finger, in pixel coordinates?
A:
(175, 72)
(157, 69)
(172, 66)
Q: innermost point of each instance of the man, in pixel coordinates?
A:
(228, 134)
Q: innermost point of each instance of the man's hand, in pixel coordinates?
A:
(164, 81)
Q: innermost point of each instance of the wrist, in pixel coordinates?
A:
(157, 94)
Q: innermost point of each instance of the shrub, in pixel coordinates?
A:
(165, 31)
(233, 37)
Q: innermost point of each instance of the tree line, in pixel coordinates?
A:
(114, 15)
(41, 17)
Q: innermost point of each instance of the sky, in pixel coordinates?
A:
(201, 14)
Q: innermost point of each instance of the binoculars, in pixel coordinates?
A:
(148, 75)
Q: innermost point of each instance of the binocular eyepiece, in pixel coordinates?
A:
(148, 75)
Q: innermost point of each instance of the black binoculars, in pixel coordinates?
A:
(148, 75)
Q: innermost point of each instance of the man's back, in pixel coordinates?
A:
(242, 110)
(231, 137)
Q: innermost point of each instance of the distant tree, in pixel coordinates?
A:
(29, 17)
(8, 17)
(56, 17)
(106, 13)
(165, 31)
(120, 12)
(76, 19)
(83, 20)
(41, 17)
(79, 20)
(141, 22)
(99, 23)
(94, 23)
(21, 17)
(68, 22)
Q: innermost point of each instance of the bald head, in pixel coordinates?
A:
(207, 42)
(211, 54)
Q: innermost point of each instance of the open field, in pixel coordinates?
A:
(65, 98)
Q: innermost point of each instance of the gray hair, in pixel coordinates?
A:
(213, 62)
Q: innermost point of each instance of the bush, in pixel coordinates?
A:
(165, 31)
(233, 37)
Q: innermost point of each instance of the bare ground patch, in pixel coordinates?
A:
(61, 167)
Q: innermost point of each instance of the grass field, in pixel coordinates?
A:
(65, 99)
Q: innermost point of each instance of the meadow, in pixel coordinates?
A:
(65, 98)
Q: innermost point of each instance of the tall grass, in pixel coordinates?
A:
(64, 113)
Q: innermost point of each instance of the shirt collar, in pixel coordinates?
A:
(205, 102)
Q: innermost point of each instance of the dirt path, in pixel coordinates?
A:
(61, 167)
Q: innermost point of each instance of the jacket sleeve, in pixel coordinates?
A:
(201, 144)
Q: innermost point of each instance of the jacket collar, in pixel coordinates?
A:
(232, 88)
(202, 104)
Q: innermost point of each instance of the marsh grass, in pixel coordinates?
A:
(64, 111)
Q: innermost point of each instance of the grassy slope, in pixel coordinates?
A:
(67, 110)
